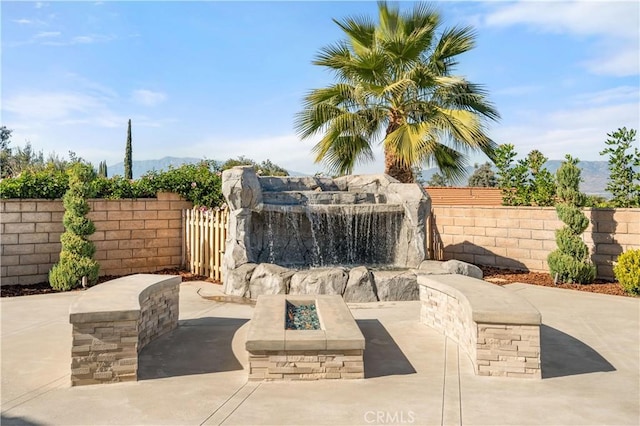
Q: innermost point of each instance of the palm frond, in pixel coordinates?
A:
(452, 43)
(458, 93)
(451, 163)
(333, 56)
(361, 33)
(342, 153)
(389, 20)
(407, 142)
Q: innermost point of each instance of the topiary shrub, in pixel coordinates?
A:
(76, 257)
(627, 271)
(570, 262)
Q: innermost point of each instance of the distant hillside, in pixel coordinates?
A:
(143, 166)
(595, 175)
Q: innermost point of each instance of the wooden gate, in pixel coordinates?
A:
(205, 232)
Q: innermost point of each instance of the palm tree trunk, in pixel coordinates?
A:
(397, 169)
(393, 166)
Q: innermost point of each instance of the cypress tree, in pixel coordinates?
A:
(76, 257)
(102, 169)
(128, 170)
(570, 262)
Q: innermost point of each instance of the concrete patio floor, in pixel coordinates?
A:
(194, 375)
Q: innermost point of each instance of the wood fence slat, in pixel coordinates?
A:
(204, 236)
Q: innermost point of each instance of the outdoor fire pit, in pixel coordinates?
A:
(331, 349)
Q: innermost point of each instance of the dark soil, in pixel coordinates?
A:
(45, 288)
(491, 274)
(506, 276)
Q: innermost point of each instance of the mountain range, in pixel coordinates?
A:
(595, 174)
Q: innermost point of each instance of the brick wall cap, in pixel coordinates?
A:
(119, 299)
(488, 303)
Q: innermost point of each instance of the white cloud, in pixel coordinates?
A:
(23, 21)
(620, 62)
(616, 94)
(518, 90)
(615, 24)
(47, 34)
(580, 132)
(49, 105)
(613, 19)
(81, 39)
(148, 97)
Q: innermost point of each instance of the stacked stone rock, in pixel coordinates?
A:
(247, 272)
(306, 365)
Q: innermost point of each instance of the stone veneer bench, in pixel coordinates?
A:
(113, 321)
(499, 330)
(333, 352)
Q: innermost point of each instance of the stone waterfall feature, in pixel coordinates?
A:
(355, 236)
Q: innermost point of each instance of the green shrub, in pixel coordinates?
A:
(77, 251)
(67, 274)
(43, 184)
(627, 271)
(117, 187)
(199, 183)
(569, 270)
(570, 262)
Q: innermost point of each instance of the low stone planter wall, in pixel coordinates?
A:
(334, 352)
(499, 330)
(112, 322)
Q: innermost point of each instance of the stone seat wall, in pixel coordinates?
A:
(498, 329)
(112, 322)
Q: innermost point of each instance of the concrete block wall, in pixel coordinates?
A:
(523, 237)
(132, 236)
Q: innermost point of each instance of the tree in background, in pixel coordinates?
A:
(102, 169)
(128, 159)
(5, 151)
(541, 184)
(483, 176)
(624, 168)
(524, 182)
(76, 257)
(438, 180)
(266, 168)
(512, 177)
(14, 161)
(570, 263)
(395, 78)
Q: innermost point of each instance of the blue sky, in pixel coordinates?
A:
(221, 79)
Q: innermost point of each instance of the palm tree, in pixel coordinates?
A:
(395, 85)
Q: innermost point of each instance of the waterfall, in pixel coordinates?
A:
(328, 235)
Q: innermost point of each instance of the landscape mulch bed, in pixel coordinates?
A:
(506, 276)
(44, 288)
(493, 275)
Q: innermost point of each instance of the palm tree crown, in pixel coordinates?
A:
(394, 85)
